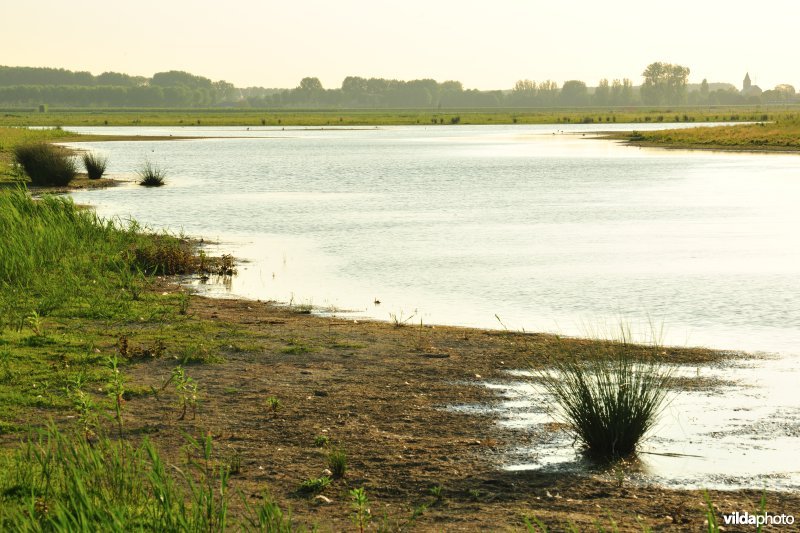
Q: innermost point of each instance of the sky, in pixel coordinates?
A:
(483, 44)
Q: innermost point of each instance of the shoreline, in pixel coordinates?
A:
(380, 393)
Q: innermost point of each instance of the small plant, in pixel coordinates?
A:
(337, 463)
(273, 404)
(314, 485)
(45, 164)
(321, 441)
(711, 515)
(116, 391)
(36, 322)
(151, 175)
(235, 464)
(86, 409)
(437, 492)
(95, 165)
(398, 320)
(183, 302)
(186, 388)
(360, 503)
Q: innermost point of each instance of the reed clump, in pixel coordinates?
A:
(95, 165)
(45, 164)
(151, 175)
(610, 401)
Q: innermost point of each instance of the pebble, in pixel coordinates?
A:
(319, 499)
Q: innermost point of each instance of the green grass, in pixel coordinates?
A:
(45, 164)
(95, 165)
(781, 135)
(611, 401)
(337, 464)
(364, 117)
(62, 482)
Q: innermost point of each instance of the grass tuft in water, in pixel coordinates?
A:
(610, 402)
(95, 165)
(151, 175)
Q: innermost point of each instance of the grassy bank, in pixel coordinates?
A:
(354, 117)
(781, 135)
(176, 412)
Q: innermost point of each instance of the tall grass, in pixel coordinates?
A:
(95, 165)
(45, 164)
(610, 401)
(56, 256)
(58, 482)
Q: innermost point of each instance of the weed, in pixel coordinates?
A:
(151, 175)
(437, 492)
(711, 515)
(360, 504)
(183, 302)
(321, 441)
(95, 165)
(314, 485)
(115, 391)
(45, 164)
(186, 389)
(398, 320)
(198, 354)
(534, 525)
(337, 463)
(36, 323)
(273, 404)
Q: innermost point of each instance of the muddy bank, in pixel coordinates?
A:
(383, 395)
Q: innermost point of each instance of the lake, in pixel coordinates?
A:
(540, 227)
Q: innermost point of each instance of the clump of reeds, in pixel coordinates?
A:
(45, 164)
(151, 175)
(611, 401)
(95, 165)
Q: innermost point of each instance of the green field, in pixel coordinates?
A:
(351, 117)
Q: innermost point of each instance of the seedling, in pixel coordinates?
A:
(360, 503)
(273, 404)
(116, 389)
(320, 441)
(186, 388)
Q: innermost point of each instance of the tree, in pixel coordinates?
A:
(664, 83)
(573, 93)
(602, 94)
(310, 85)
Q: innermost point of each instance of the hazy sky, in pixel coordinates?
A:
(485, 45)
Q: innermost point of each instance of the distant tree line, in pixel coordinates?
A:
(663, 84)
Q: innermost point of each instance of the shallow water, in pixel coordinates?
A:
(540, 226)
(551, 232)
(742, 431)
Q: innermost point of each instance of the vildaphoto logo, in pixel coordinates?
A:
(761, 519)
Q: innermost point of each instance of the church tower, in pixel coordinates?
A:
(746, 83)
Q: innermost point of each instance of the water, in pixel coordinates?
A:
(540, 225)
(459, 224)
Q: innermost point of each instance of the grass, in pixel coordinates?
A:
(45, 164)
(254, 117)
(151, 175)
(337, 464)
(610, 402)
(61, 482)
(314, 485)
(782, 133)
(95, 165)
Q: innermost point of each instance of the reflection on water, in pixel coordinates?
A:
(550, 231)
(547, 229)
(741, 431)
